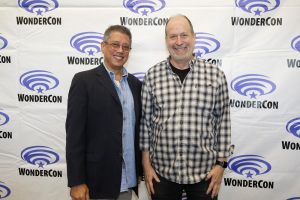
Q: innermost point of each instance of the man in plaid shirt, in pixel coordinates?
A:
(185, 126)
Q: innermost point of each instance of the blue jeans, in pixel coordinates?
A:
(167, 190)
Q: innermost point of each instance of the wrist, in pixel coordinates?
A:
(146, 159)
(222, 163)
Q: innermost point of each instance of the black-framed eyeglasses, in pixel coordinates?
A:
(116, 46)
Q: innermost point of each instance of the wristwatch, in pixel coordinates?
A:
(221, 163)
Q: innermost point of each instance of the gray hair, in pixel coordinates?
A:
(117, 28)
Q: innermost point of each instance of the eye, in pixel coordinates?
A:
(126, 48)
(184, 36)
(173, 37)
(115, 45)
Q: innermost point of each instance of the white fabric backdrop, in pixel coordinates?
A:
(261, 62)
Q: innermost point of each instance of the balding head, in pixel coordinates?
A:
(177, 18)
(180, 40)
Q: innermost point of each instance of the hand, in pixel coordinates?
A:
(215, 176)
(80, 192)
(149, 172)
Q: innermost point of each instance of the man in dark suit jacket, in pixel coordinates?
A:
(102, 125)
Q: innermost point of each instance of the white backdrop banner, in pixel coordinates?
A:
(255, 42)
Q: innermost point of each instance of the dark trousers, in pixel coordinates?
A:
(167, 190)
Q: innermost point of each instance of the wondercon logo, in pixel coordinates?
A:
(4, 118)
(39, 80)
(296, 43)
(293, 127)
(257, 6)
(3, 42)
(205, 43)
(39, 156)
(37, 6)
(252, 85)
(139, 75)
(249, 165)
(144, 7)
(4, 191)
(87, 42)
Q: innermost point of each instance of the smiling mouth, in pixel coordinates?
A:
(180, 48)
(118, 57)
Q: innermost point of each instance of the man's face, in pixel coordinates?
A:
(180, 40)
(116, 50)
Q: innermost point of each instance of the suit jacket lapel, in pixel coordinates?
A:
(107, 82)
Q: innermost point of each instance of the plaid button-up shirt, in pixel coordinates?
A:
(185, 126)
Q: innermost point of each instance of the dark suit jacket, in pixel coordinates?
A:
(94, 132)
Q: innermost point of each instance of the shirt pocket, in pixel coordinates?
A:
(206, 95)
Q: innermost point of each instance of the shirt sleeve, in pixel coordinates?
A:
(223, 122)
(145, 124)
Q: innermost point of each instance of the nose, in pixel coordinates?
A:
(178, 40)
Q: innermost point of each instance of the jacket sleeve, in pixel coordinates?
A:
(75, 131)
